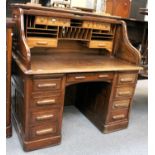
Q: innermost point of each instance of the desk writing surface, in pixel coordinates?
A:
(70, 63)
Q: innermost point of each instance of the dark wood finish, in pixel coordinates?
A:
(9, 26)
(102, 77)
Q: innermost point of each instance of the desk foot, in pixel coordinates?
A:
(115, 127)
(8, 131)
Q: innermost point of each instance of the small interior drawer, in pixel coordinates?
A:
(41, 20)
(118, 115)
(96, 25)
(44, 116)
(121, 104)
(127, 78)
(44, 131)
(121, 92)
(58, 21)
(41, 42)
(47, 84)
(101, 44)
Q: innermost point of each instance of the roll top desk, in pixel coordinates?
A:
(63, 56)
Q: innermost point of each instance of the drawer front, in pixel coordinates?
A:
(88, 77)
(47, 84)
(96, 25)
(44, 131)
(118, 115)
(45, 116)
(127, 78)
(101, 44)
(46, 101)
(41, 42)
(58, 22)
(124, 92)
(121, 104)
(41, 20)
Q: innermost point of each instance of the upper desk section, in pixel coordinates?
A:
(42, 30)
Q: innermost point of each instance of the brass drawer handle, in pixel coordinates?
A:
(44, 131)
(103, 76)
(101, 45)
(46, 102)
(126, 80)
(47, 85)
(126, 93)
(118, 117)
(42, 43)
(121, 105)
(80, 77)
(44, 117)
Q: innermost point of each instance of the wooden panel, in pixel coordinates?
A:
(47, 84)
(41, 42)
(58, 21)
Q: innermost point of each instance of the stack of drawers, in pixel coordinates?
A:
(123, 93)
(46, 108)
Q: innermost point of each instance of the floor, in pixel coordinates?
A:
(81, 137)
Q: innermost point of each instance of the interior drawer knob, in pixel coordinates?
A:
(118, 117)
(46, 102)
(44, 117)
(44, 131)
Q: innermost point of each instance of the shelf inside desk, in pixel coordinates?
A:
(70, 63)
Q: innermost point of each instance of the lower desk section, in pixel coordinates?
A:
(104, 98)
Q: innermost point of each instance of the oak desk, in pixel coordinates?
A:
(57, 51)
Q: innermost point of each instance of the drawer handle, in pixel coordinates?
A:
(103, 76)
(121, 105)
(46, 102)
(43, 132)
(42, 43)
(80, 77)
(126, 93)
(44, 117)
(101, 45)
(126, 80)
(47, 85)
(118, 117)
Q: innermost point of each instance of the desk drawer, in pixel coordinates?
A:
(118, 115)
(47, 84)
(88, 77)
(46, 101)
(126, 92)
(121, 104)
(58, 21)
(127, 78)
(43, 116)
(101, 44)
(41, 42)
(44, 131)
